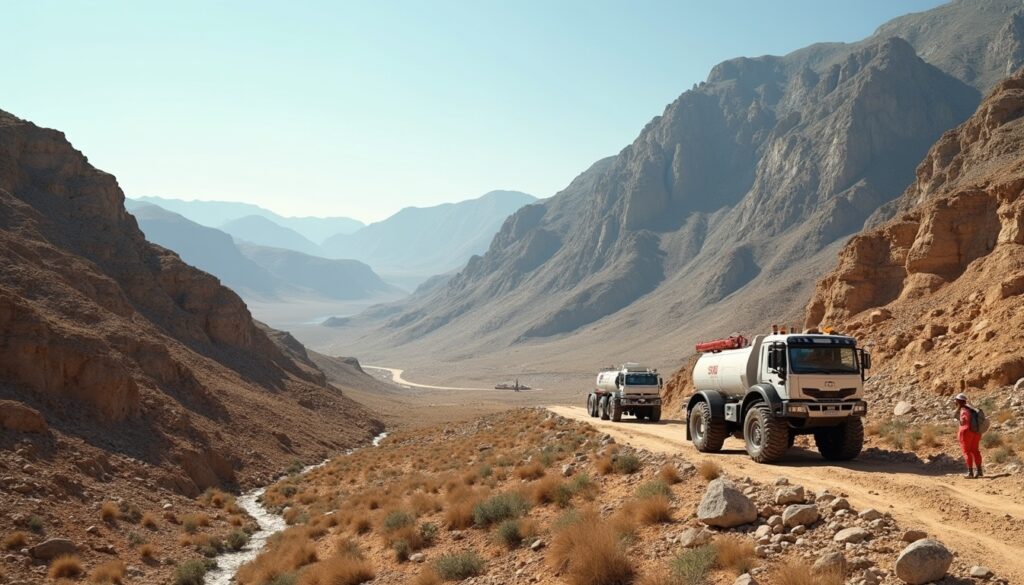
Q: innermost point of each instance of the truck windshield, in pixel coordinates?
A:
(823, 360)
(641, 379)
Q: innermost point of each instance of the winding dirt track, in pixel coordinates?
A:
(983, 520)
(396, 377)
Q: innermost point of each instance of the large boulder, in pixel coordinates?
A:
(923, 561)
(53, 548)
(15, 416)
(830, 563)
(800, 515)
(725, 506)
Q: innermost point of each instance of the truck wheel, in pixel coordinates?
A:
(591, 405)
(707, 435)
(655, 414)
(602, 406)
(841, 443)
(616, 410)
(767, 437)
(792, 439)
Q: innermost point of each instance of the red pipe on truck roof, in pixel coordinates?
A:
(731, 342)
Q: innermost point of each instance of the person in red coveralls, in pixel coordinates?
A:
(969, 437)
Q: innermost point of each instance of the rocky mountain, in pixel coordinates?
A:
(417, 243)
(718, 216)
(938, 291)
(256, 229)
(130, 359)
(217, 213)
(258, 271)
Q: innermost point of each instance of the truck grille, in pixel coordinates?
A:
(819, 394)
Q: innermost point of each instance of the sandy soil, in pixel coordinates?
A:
(981, 519)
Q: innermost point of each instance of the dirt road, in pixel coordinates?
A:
(396, 377)
(983, 520)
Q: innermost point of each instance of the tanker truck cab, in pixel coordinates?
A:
(629, 389)
(776, 387)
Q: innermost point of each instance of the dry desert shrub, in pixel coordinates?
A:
(735, 554)
(604, 465)
(428, 576)
(658, 578)
(459, 516)
(110, 512)
(550, 489)
(589, 552)
(669, 474)
(799, 573)
(423, 503)
(147, 551)
(65, 567)
(15, 540)
(459, 566)
(653, 510)
(108, 572)
(532, 470)
(149, 520)
(289, 551)
(338, 570)
(709, 469)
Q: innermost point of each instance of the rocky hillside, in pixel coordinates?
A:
(723, 209)
(939, 289)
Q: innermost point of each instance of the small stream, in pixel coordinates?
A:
(269, 524)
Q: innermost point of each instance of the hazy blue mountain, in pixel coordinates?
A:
(217, 213)
(253, 270)
(256, 229)
(418, 242)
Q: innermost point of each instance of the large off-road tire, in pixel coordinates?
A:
(592, 405)
(707, 435)
(602, 407)
(792, 439)
(841, 443)
(616, 410)
(654, 415)
(766, 436)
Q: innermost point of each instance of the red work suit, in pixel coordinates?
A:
(969, 440)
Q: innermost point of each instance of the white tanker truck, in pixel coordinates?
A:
(628, 389)
(775, 387)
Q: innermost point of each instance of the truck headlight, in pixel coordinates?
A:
(860, 408)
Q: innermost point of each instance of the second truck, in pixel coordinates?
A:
(629, 389)
(775, 387)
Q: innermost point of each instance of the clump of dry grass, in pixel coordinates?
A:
(658, 578)
(108, 572)
(65, 567)
(149, 520)
(291, 550)
(709, 469)
(15, 540)
(459, 516)
(588, 552)
(604, 465)
(110, 512)
(338, 570)
(532, 470)
(427, 576)
(147, 551)
(653, 510)
(669, 474)
(735, 554)
(794, 572)
(550, 489)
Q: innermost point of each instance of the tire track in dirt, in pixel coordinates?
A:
(982, 526)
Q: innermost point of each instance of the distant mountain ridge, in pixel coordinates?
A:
(425, 241)
(217, 213)
(256, 229)
(724, 209)
(258, 271)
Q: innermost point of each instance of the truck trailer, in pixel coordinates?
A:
(629, 389)
(771, 389)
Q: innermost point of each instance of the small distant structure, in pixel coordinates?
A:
(516, 386)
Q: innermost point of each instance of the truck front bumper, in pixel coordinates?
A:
(823, 409)
(639, 401)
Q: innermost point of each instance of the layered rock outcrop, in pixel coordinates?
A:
(948, 271)
(117, 341)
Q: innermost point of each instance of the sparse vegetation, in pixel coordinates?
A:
(110, 512)
(108, 572)
(626, 464)
(500, 507)
(691, 566)
(508, 533)
(65, 567)
(36, 524)
(237, 540)
(653, 488)
(991, 440)
(797, 573)
(669, 474)
(149, 520)
(15, 540)
(709, 469)
(589, 552)
(338, 570)
(147, 551)
(190, 572)
(735, 554)
(459, 566)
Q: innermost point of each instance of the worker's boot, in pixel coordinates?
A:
(969, 474)
(979, 474)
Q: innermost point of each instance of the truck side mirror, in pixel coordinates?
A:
(865, 360)
(777, 359)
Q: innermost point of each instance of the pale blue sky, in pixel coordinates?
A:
(361, 108)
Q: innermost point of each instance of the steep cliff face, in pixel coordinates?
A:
(938, 289)
(118, 342)
(739, 185)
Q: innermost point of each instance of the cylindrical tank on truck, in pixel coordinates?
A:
(775, 387)
(629, 389)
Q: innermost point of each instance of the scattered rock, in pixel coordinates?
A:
(52, 548)
(840, 504)
(979, 572)
(568, 469)
(879, 315)
(725, 506)
(853, 535)
(693, 537)
(789, 495)
(800, 515)
(870, 514)
(923, 561)
(903, 408)
(417, 557)
(537, 545)
(1019, 386)
(744, 579)
(15, 416)
(831, 562)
